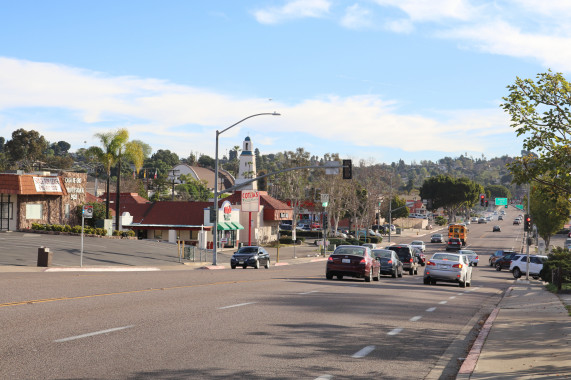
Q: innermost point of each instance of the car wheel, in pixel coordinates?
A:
(475, 264)
(328, 276)
(370, 276)
(517, 272)
(432, 282)
(233, 266)
(416, 271)
(410, 272)
(462, 284)
(498, 267)
(257, 264)
(339, 277)
(267, 266)
(244, 266)
(426, 281)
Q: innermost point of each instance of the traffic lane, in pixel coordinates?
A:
(21, 249)
(310, 302)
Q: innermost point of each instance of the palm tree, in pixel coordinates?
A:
(106, 157)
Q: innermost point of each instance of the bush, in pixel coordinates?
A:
(286, 240)
(76, 229)
(441, 221)
(557, 264)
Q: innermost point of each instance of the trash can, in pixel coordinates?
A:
(44, 257)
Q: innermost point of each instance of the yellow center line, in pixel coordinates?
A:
(29, 302)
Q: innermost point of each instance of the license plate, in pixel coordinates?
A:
(240, 262)
(443, 266)
(346, 261)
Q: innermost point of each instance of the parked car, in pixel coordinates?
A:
(315, 226)
(352, 261)
(496, 229)
(340, 234)
(407, 257)
(518, 265)
(436, 238)
(504, 261)
(418, 244)
(285, 227)
(390, 263)
(498, 254)
(473, 256)
(250, 256)
(448, 267)
(453, 243)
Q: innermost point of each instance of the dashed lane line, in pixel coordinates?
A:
(237, 305)
(394, 331)
(363, 352)
(93, 334)
(431, 309)
(443, 302)
(416, 318)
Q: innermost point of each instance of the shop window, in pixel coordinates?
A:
(34, 211)
(7, 210)
(66, 210)
(158, 234)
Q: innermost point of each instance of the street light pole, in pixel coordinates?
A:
(215, 208)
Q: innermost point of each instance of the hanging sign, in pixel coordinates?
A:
(250, 200)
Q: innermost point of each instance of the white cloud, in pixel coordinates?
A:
(433, 10)
(79, 103)
(293, 10)
(403, 26)
(356, 17)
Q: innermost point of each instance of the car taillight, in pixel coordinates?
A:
(389, 262)
(330, 258)
(430, 263)
(449, 242)
(410, 260)
(363, 261)
(477, 257)
(457, 266)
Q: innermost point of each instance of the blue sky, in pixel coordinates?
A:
(373, 80)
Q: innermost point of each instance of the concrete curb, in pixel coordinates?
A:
(102, 269)
(212, 267)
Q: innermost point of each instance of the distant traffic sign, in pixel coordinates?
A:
(520, 207)
(501, 201)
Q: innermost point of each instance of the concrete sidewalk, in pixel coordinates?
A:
(528, 336)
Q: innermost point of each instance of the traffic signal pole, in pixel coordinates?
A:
(528, 230)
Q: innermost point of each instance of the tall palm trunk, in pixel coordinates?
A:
(117, 195)
(107, 199)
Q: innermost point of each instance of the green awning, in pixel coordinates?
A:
(224, 226)
(237, 226)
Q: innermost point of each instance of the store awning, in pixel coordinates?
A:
(237, 226)
(224, 226)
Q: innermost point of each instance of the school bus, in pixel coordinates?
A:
(459, 231)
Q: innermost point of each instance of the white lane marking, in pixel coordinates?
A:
(237, 305)
(443, 302)
(417, 318)
(93, 333)
(302, 294)
(452, 297)
(394, 331)
(364, 352)
(459, 294)
(324, 377)
(431, 309)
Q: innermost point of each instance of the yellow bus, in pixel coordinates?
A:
(459, 231)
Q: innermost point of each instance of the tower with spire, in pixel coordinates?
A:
(247, 168)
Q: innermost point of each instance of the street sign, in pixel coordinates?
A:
(501, 201)
(324, 198)
(87, 211)
(325, 204)
(519, 207)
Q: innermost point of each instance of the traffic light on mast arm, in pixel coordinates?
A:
(482, 200)
(527, 222)
(347, 169)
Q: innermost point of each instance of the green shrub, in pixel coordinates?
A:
(286, 240)
(441, 221)
(76, 229)
(67, 228)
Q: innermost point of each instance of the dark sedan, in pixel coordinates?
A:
(454, 243)
(496, 229)
(497, 255)
(390, 263)
(250, 256)
(353, 261)
(436, 238)
(504, 261)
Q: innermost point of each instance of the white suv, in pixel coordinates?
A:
(518, 265)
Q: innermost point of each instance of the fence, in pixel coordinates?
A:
(195, 254)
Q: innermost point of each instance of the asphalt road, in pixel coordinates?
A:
(287, 322)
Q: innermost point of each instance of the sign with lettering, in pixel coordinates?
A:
(227, 210)
(250, 200)
(47, 184)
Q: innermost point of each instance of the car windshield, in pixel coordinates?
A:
(416, 243)
(467, 252)
(248, 250)
(437, 235)
(382, 253)
(445, 256)
(355, 251)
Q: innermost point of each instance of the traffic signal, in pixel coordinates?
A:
(325, 223)
(486, 203)
(527, 222)
(347, 169)
(482, 200)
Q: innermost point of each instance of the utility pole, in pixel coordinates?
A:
(173, 179)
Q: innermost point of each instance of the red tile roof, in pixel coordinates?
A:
(24, 184)
(168, 213)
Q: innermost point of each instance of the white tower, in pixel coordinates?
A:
(247, 169)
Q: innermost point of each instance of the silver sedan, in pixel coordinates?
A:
(473, 256)
(448, 267)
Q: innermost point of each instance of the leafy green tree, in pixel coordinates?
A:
(497, 191)
(541, 112)
(162, 161)
(98, 213)
(206, 161)
(450, 193)
(549, 211)
(106, 157)
(26, 147)
(193, 190)
(398, 204)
